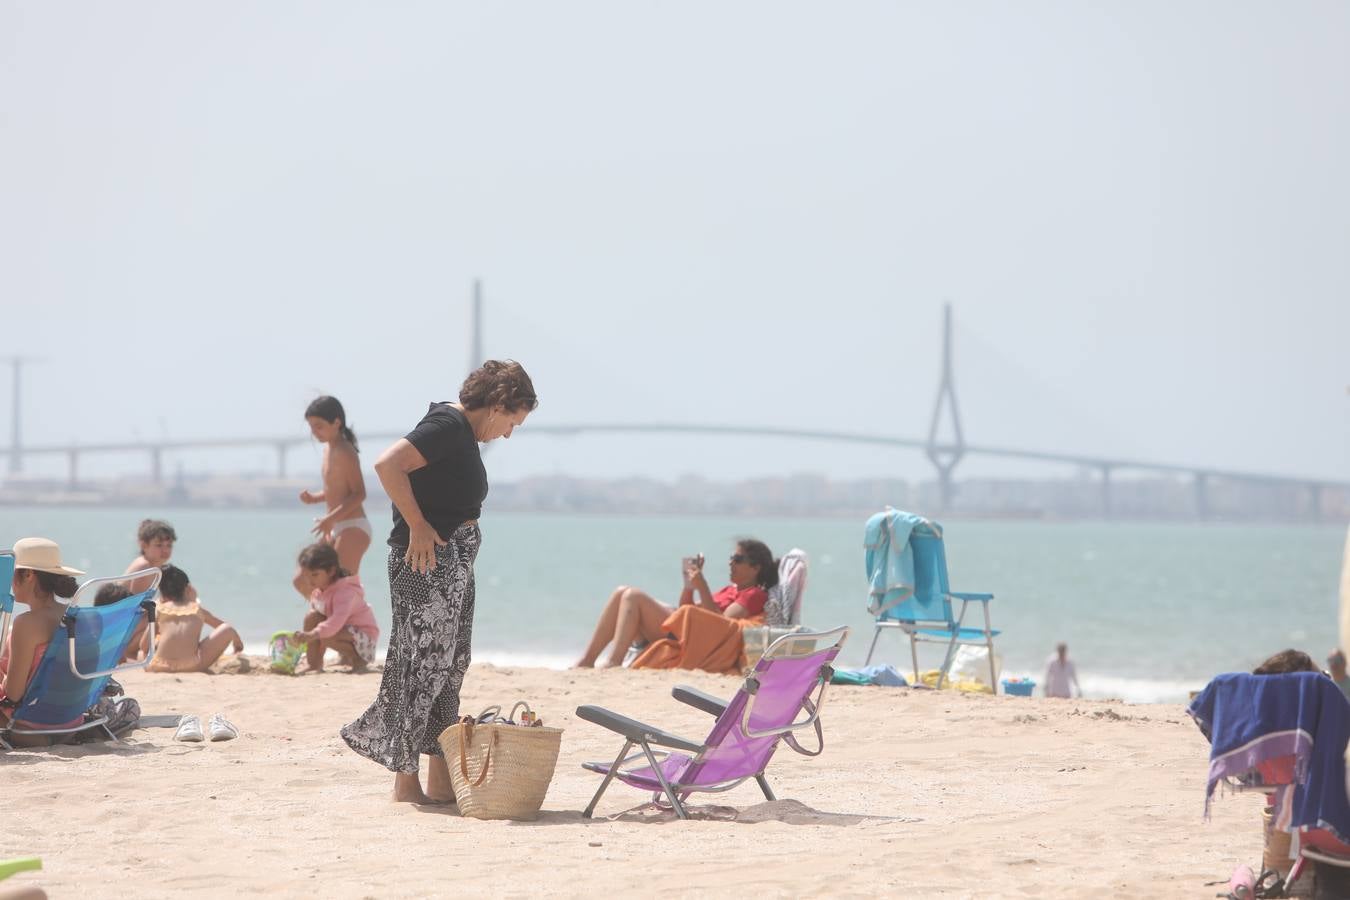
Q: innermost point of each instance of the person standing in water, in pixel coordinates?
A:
(1060, 674)
(436, 480)
(345, 525)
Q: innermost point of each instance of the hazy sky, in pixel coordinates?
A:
(725, 213)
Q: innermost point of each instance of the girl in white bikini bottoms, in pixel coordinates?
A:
(345, 525)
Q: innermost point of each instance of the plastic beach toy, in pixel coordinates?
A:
(9, 867)
(1019, 687)
(284, 654)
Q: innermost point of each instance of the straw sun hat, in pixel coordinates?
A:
(41, 555)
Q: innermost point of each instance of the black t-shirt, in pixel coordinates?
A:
(450, 488)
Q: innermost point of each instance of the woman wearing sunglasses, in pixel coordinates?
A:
(632, 613)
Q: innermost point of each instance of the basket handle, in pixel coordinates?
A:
(519, 703)
(466, 731)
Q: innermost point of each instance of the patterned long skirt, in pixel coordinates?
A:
(428, 656)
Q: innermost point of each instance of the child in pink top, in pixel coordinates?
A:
(339, 617)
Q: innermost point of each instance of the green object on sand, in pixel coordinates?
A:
(10, 866)
(285, 655)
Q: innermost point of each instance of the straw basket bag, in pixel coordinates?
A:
(499, 769)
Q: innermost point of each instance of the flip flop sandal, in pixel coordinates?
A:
(220, 729)
(190, 730)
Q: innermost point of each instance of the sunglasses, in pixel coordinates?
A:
(739, 558)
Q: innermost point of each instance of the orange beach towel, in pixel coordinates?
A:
(698, 639)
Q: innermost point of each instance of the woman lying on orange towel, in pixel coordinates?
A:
(632, 613)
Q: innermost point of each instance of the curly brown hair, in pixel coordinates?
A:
(499, 383)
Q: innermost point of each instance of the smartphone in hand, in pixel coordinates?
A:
(690, 562)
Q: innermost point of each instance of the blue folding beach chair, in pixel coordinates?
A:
(6, 593)
(907, 568)
(73, 672)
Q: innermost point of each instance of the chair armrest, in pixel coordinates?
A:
(699, 700)
(633, 730)
(982, 598)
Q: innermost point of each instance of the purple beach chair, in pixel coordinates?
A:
(747, 731)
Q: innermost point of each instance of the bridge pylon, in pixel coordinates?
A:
(946, 455)
(476, 327)
(16, 431)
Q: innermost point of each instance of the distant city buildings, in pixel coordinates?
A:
(795, 495)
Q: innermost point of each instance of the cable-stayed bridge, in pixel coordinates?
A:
(945, 453)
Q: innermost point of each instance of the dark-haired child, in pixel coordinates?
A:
(114, 592)
(339, 617)
(179, 646)
(156, 538)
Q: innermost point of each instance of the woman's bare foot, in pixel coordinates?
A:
(439, 788)
(408, 789)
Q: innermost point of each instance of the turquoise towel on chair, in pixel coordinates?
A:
(889, 560)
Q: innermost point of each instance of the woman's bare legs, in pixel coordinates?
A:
(408, 785)
(408, 788)
(604, 629)
(351, 544)
(439, 789)
(629, 613)
(210, 649)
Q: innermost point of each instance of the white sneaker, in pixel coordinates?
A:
(189, 729)
(220, 728)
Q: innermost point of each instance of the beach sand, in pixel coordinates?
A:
(918, 794)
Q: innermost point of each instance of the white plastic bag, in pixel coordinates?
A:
(971, 663)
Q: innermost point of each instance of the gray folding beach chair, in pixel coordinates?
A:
(745, 735)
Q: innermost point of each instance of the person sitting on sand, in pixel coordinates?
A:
(179, 646)
(631, 613)
(40, 583)
(113, 592)
(339, 617)
(156, 538)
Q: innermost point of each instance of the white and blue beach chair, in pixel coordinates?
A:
(907, 569)
(73, 672)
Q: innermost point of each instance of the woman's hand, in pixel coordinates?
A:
(307, 497)
(422, 543)
(323, 527)
(693, 573)
(302, 637)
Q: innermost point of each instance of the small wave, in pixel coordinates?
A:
(1095, 687)
(1131, 690)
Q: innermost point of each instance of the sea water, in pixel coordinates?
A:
(1149, 611)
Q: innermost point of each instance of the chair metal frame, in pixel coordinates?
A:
(798, 645)
(930, 550)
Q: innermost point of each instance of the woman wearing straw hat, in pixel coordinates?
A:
(436, 480)
(39, 579)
